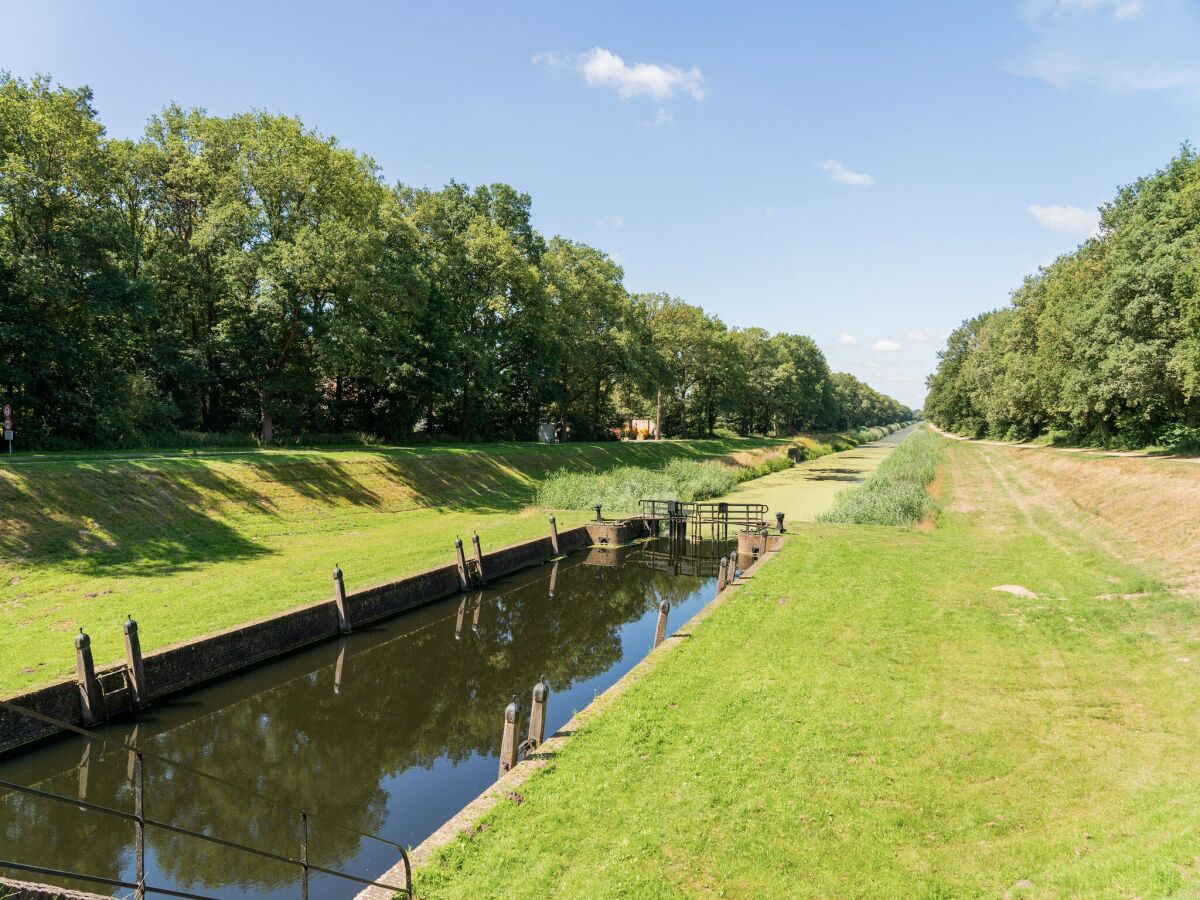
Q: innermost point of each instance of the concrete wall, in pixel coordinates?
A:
(182, 666)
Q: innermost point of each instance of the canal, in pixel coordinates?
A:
(388, 731)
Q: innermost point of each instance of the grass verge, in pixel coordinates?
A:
(192, 543)
(895, 494)
(869, 716)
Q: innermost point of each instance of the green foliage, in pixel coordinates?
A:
(895, 494)
(619, 490)
(247, 274)
(1101, 347)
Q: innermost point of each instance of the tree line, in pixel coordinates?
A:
(1103, 345)
(245, 274)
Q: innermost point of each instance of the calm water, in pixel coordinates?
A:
(390, 730)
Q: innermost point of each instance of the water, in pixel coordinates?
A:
(390, 731)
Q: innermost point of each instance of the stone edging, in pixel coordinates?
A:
(465, 820)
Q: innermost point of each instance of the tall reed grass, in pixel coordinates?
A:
(895, 494)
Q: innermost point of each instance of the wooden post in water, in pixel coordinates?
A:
(554, 535)
(139, 696)
(90, 700)
(464, 582)
(537, 713)
(339, 599)
(731, 575)
(508, 744)
(553, 578)
(660, 632)
(721, 575)
(478, 555)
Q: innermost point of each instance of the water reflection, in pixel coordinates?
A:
(388, 730)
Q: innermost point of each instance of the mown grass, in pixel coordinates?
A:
(895, 494)
(868, 717)
(192, 542)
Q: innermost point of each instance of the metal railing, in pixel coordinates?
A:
(141, 822)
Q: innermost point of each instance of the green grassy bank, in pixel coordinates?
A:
(869, 716)
(195, 542)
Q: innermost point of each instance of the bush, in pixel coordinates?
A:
(1181, 439)
(895, 493)
(620, 489)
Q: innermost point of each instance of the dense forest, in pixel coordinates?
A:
(1102, 346)
(248, 276)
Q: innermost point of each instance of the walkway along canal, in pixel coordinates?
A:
(389, 730)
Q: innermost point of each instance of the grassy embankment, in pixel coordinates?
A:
(871, 716)
(192, 543)
(619, 489)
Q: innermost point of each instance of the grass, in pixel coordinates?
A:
(869, 717)
(895, 494)
(620, 489)
(192, 542)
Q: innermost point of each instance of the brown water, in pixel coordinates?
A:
(390, 731)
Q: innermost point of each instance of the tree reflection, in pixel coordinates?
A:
(328, 739)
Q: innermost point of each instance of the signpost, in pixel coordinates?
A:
(8, 426)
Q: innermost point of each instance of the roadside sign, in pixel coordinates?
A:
(7, 411)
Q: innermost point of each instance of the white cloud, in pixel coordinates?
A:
(885, 346)
(1114, 46)
(1119, 10)
(839, 173)
(603, 68)
(1067, 219)
(920, 337)
(610, 222)
(662, 118)
(848, 339)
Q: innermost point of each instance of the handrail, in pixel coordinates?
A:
(141, 822)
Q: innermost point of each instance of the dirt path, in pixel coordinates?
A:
(1137, 509)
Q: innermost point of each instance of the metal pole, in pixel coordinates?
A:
(304, 856)
(139, 826)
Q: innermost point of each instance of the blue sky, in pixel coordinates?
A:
(868, 173)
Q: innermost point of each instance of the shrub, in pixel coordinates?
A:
(620, 489)
(895, 493)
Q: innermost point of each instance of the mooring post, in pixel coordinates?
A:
(721, 575)
(508, 744)
(599, 518)
(133, 662)
(660, 632)
(537, 713)
(779, 521)
(478, 555)
(553, 578)
(731, 575)
(554, 535)
(464, 582)
(339, 599)
(85, 675)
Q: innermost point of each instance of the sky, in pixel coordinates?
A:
(867, 173)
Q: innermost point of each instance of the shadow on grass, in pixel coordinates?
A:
(153, 518)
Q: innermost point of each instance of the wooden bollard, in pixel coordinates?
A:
(339, 599)
(779, 521)
(90, 701)
(478, 555)
(464, 581)
(731, 575)
(660, 633)
(537, 713)
(138, 694)
(554, 535)
(721, 574)
(508, 744)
